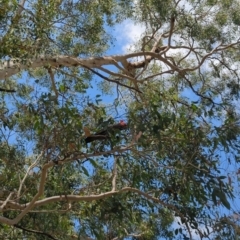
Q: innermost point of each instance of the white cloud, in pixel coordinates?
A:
(128, 33)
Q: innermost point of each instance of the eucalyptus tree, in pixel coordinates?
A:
(168, 169)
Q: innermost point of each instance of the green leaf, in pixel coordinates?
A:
(218, 193)
(222, 177)
(85, 171)
(93, 162)
(224, 200)
(214, 196)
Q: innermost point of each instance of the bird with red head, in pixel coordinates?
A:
(104, 134)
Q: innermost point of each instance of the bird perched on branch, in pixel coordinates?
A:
(104, 134)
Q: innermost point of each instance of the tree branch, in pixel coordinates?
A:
(11, 67)
(7, 90)
(89, 198)
(110, 80)
(38, 194)
(53, 81)
(31, 167)
(114, 174)
(6, 201)
(35, 231)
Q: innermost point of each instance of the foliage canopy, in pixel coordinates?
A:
(173, 173)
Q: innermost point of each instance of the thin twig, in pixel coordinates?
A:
(35, 231)
(189, 231)
(6, 201)
(114, 174)
(111, 80)
(53, 81)
(31, 167)
(171, 30)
